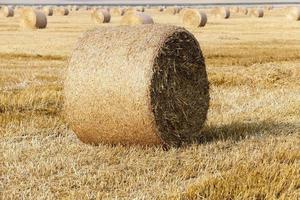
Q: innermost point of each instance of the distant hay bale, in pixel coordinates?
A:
(243, 11)
(140, 9)
(153, 10)
(136, 19)
(293, 13)
(171, 10)
(19, 11)
(181, 12)
(62, 11)
(7, 11)
(130, 11)
(257, 12)
(116, 11)
(223, 13)
(194, 18)
(235, 9)
(75, 8)
(48, 11)
(154, 92)
(33, 19)
(100, 16)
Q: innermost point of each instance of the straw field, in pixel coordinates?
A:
(249, 147)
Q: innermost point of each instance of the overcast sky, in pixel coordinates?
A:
(140, 1)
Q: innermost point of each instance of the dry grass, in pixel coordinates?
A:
(249, 147)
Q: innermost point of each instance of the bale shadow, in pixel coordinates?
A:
(237, 131)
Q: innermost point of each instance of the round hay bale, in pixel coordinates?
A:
(194, 18)
(140, 9)
(257, 12)
(182, 11)
(152, 10)
(294, 13)
(223, 13)
(19, 11)
(136, 19)
(7, 11)
(33, 19)
(62, 11)
(171, 10)
(130, 12)
(117, 12)
(75, 8)
(100, 16)
(155, 92)
(235, 9)
(48, 11)
(243, 11)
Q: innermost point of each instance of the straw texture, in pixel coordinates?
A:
(100, 16)
(33, 19)
(194, 18)
(294, 13)
(148, 89)
(7, 11)
(136, 18)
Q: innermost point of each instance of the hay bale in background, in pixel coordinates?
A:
(194, 18)
(130, 11)
(140, 9)
(48, 11)
(7, 11)
(171, 10)
(117, 11)
(136, 19)
(153, 10)
(293, 13)
(235, 9)
(257, 12)
(243, 11)
(100, 16)
(223, 13)
(165, 98)
(75, 8)
(62, 11)
(33, 19)
(181, 12)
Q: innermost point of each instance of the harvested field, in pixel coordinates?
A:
(249, 147)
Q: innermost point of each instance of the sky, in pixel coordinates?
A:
(140, 1)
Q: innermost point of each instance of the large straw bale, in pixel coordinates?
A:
(153, 10)
(100, 16)
(257, 12)
(75, 8)
(117, 11)
(171, 10)
(7, 11)
(48, 11)
(33, 19)
(62, 11)
(243, 11)
(137, 85)
(222, 12)
(293, 13)
(136, 18)
(194, 18)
